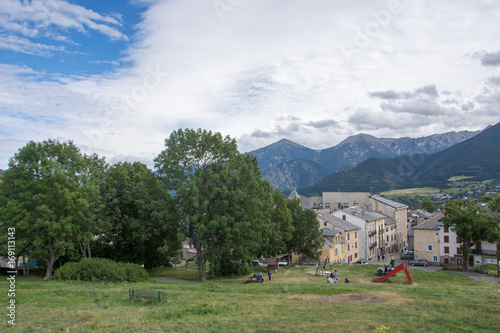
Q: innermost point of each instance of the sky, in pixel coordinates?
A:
(117, 77)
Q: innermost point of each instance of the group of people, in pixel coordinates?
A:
(333, 278)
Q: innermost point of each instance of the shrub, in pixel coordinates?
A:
(97, 269)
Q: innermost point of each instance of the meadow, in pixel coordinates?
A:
(293, 301)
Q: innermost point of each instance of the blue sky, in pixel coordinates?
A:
(117, 77)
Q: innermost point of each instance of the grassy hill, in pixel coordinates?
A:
(294, 301)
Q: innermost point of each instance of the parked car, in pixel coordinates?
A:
(361, 262)
(419, 262)
(257, 263)
(408, 255)
(282, 263)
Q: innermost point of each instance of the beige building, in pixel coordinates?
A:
(371, 230)
(341, 200)
(335, 247)
(397, 212)
(427, 240)
(350, 234)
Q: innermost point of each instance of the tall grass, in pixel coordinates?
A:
(293, 301)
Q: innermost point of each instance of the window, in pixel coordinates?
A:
(446, 239)
(348, 236)
(446, 229)
(342, 250)
(446, 249)
(459, 251)
(324, 224)
(348, 247)
(346, 205)
(458, 240)
(391, 238)
(336, 252)
(355, 255)
(339, 206)
(355, 234)
(446, 260)
(435, 258)
(430, 248)
(387, 237)
(355, 245)
(437, 234)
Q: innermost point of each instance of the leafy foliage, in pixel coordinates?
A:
(42, 198)
(144, 224)
(465, 218)
(101, 270)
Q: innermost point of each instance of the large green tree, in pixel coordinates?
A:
(494, 235)
(42, 198)
(470, 224)
(143, 224)
(93, 176)
(220, 195)
(307, 238)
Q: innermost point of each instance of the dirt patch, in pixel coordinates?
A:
(351, 298)
(170, 280)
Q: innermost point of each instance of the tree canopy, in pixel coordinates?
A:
(220, 195)
(467, 220)
(42, 198)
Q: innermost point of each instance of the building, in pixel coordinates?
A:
(341, 200)
(482, 252)
(335, 246)
(398, 212)
(371, 225)
(426, 238)
(350, 234)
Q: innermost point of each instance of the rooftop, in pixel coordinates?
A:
(430, 224)
(363, 214)
(393, 204)
(337, 222)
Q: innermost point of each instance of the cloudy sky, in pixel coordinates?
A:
(118, 77)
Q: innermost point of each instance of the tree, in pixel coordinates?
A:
(427, 205)
(41, 197)
(307, 238)
(280, 229)
(144, 224)
(219, 194)
(467, 220)
(92, 179)
(494, 235)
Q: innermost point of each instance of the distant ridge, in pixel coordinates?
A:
(477, 157)
(279, 165)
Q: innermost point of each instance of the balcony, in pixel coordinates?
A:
(371, 233)
(373, 245)
(484, 252)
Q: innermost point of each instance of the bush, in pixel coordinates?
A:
(105, 270)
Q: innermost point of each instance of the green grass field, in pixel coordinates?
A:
(294, 301)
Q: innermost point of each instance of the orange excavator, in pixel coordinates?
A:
(401, 267)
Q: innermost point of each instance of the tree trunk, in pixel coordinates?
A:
(498, 257)
(212, 266)
(199, 260)
(466, 251)
(50, 266)
(88, 249)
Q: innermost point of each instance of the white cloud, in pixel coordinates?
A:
(266, 71)
(22, 21)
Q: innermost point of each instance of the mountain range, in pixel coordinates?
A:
(477, 158)
(287, 165)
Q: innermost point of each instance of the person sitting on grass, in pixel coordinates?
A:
(347, 281)
(329, 280)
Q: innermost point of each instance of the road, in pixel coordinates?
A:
(477, 276)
